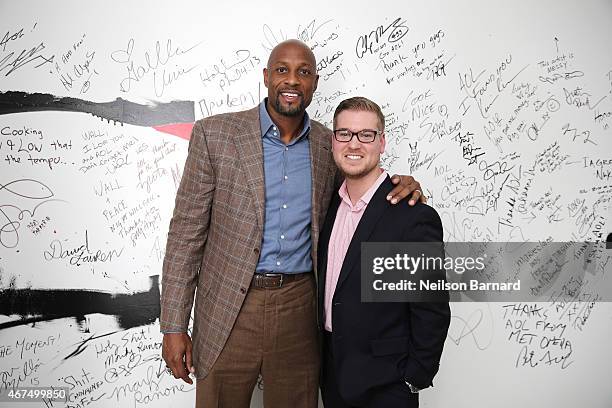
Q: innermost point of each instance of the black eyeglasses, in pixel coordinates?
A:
(364, 136)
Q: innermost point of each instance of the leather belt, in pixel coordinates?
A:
(276, 280)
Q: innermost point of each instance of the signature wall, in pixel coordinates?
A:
(502, 110)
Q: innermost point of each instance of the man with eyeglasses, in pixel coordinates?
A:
(375, 355)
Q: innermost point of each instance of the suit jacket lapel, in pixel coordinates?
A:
(375, 209)
(319, 150)
(250, 149)
(326, 230)
(320, 159)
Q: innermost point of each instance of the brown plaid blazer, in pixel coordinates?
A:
(216, 230)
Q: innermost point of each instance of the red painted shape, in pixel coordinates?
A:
(182, 130)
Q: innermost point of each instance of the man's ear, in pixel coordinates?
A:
(383, 142)
(316, 83)
(265, 75)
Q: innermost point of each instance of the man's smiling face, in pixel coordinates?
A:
(291, 78)
(354, 158)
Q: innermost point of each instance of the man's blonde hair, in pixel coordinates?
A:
(360, 103)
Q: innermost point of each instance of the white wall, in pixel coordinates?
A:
(522, 90)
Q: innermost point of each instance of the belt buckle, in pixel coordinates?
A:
(273, 275)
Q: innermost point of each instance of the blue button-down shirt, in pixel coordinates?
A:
(288, 184)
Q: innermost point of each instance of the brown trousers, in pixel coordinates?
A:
(275, 334)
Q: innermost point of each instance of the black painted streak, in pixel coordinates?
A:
(119, 110)
(37, 305)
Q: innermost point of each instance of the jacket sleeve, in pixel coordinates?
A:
(187, 234)
(429, 321)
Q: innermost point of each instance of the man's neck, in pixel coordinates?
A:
(289, 126)
(357, 187)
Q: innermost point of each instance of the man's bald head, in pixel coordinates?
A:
(293, 43)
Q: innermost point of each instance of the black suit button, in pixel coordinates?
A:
(243, 290)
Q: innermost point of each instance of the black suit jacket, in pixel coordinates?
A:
(381, 344)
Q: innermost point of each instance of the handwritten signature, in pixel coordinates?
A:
(30, 190)
(13, 63)
(369, 43)
(158, 59)
(80, 255)
(467, 328)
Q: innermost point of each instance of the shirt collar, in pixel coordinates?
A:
(265, 121)
(365, 199)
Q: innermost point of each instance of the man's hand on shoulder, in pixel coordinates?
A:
(176, 352)
(406, 186)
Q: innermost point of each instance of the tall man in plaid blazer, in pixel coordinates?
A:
(244, 232)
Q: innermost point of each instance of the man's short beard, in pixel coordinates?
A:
(359, 175)
(356, 176)
(291, 112)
